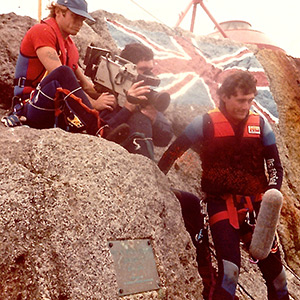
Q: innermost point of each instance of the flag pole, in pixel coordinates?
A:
(39, 10)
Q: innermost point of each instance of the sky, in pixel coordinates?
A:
(279, 20)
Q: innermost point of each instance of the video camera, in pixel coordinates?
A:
(115, 74)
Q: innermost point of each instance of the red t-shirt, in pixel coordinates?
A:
(43, 35)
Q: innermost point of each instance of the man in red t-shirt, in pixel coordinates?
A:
(50, 85)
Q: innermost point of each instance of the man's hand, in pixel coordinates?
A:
(137, 90)
(104, 101)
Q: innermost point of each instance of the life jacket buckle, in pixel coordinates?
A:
(21, 82)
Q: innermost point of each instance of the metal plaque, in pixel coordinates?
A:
(135, 266)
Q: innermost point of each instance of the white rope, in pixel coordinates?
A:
(39, 91)
(99, 130)
(72, 92)
(138, 146)
(40, 108)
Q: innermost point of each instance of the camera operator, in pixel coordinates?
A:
(148, 126)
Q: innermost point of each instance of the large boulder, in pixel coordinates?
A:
(64, 197)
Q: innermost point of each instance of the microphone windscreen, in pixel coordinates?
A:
(267, 220)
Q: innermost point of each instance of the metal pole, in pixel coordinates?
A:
(39, 10)
(212, 18)
(193, 17)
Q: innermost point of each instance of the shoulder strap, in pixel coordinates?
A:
(60, 48)
(222, 127)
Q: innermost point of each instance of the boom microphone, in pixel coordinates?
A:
(267, 220)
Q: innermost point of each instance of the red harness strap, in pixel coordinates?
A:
(232, 213)
(80, 115)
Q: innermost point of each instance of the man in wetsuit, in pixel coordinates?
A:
(234, 145)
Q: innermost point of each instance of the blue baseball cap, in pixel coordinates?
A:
(78, 7)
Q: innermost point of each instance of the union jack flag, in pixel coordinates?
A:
(192, 69)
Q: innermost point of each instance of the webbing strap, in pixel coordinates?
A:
(68, 94)
(223, 215)
(22, 82)
(249, 203)
(220, 216)
(232, 213)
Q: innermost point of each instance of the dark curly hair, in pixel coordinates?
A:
(136, 52)
(239, 80)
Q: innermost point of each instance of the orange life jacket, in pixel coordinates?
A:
(233, 162)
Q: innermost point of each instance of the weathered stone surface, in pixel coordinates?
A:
(283, 75)
(63, 196)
